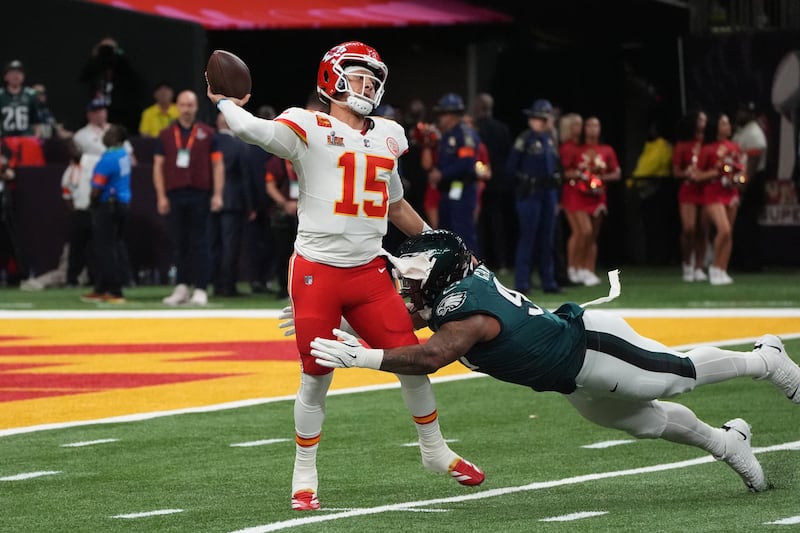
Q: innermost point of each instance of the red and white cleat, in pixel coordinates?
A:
(305, 500)
(466, 473)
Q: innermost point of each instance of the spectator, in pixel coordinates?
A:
(227, 224)
(9, 267)
(87, 144)
(19, 109)
(420, 159)
(590, 166)
(455, 171)
(257, 231)
(350, 190)
(691, 195)
(188, 175)
(570, 128)
(652, 199)
(483, 169)
(284, 189)
(109, 76)
(750, 136)
(497, 224)
(721, 165)
(161, 114)
(414, 175)
(111, 198)
(535, 164)
(48, 125)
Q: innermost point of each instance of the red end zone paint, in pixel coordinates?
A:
(16, 385)
(234, 351)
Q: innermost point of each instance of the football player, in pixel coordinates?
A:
(612, 375)
(349, 188)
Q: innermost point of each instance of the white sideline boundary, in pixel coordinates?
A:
(317, 517)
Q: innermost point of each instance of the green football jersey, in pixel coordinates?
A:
(18, 112)
(540, 349)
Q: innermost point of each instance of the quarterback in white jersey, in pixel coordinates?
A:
(342, 221)
(347, 169)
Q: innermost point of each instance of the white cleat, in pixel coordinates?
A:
(781, 370)
(699, 275)
(180, 295)
(688, 273)
(739, 455)
(199, 297)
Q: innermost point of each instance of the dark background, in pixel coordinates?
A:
(630, 62)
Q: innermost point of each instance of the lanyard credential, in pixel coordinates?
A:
(182, 160)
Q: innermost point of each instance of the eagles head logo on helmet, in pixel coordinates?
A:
(341, 66)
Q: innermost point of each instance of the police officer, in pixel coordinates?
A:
(455, 173)
(535, 164)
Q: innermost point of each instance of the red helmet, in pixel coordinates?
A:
(331, 78)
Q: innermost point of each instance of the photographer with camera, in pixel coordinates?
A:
(109, 76)
(535, 163)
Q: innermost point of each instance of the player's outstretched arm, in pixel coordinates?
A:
(272, 136)
(453, 340)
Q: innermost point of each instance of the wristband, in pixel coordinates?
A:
(426, 227)
(371, 358)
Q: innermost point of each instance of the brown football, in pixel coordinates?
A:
(228, 75)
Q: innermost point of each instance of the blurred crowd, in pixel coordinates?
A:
(526, 202)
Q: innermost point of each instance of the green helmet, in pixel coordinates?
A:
(448, 261)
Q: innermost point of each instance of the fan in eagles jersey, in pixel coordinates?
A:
(612, 375)
(348, 189)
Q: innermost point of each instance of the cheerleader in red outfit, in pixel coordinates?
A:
(691, 195)
(583, 199)
(721, 165)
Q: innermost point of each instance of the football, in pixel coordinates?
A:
(228, 75)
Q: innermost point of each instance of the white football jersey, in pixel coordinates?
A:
(347, 180)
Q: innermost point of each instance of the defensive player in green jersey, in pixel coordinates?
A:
(612, 375)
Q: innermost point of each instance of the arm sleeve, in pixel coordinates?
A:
(268, 134)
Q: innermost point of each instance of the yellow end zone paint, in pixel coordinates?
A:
(244, 379)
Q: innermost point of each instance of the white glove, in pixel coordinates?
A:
(288, 315)
(345, 353)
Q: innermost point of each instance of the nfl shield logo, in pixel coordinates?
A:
(309, 280)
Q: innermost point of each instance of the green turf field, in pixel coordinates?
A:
(230, 470)
(529, 444)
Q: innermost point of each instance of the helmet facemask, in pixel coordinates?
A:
(371, 73)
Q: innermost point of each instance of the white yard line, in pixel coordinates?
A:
(149, 513)
(573, 516)
(88, 443)
(606, 444)
(785, 521)
(258, 443)
(30, 475)
(317, 517)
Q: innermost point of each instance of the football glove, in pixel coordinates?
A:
(345, 353)
(287, 315)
